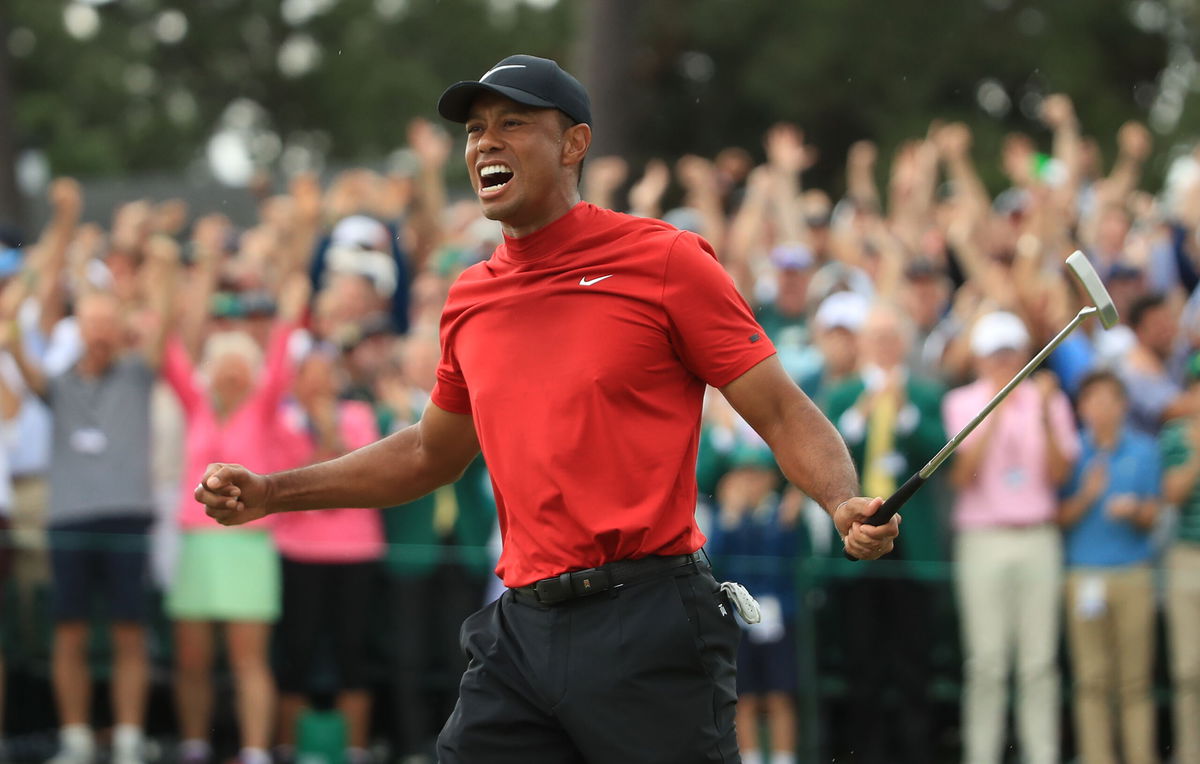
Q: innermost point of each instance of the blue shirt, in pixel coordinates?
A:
(1134, 467)
(1071, 362)
(760, 554)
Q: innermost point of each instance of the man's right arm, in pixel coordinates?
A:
(397, 469)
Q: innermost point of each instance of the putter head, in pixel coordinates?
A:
(1087, 277)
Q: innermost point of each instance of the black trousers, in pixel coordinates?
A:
(331, 598)
(887, 632)
(645, 673)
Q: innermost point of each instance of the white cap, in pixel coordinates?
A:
(998, 331)
(843, 310)
(361, 232)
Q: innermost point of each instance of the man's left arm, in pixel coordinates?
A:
(811, 454)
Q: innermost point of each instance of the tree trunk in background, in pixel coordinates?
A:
(10, 199)
(607, 55)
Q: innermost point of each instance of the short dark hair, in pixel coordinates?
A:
(1101, 377)
(1143, 305)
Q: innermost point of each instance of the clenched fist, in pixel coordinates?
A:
(232, 494)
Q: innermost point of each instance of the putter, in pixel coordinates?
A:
(1102, 306)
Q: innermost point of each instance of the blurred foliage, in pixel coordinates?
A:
(708, 73)
(851, 69)
(75, 101)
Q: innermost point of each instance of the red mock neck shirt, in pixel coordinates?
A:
(582, 351)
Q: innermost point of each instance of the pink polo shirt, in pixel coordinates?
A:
(246, 436)
(1012, 486)
(329, 535)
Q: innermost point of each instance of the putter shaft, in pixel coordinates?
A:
(1034, 362)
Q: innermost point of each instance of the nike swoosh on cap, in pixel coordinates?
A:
(498, 68)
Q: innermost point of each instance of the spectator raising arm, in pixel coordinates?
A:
(645, 198)
(860, 175)
(699, 177)
(746, 231)
(208, 242)
(11, 340)
(787, 156)
(601, 178)
(1133, 146)
(163, 267)
(432, 145)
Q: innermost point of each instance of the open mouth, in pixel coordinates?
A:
(494, 177)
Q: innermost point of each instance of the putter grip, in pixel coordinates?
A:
(893, 503)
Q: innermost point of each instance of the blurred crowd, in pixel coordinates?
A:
(138, 350)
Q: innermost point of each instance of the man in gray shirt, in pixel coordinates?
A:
(101, 506)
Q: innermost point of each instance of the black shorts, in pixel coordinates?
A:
(101, 559)
(645, 673)
(765, 667)
(334, 599)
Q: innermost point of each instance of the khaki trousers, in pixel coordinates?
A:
(1110, 629)
(1183, 637)
(1009, 589)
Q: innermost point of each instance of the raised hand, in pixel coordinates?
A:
(862, 155)
(695, 173)
(953, 141)
(232, 494)
(605, 174)
(601, 178)
(786, 151)
(305, 190)
(210, 234)
(1057, 111)
(1133, 141)
(431, 143)
(66, 197)
(647, 193)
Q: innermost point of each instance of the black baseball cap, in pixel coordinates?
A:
(529, 80)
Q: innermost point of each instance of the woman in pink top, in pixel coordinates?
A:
(224, 575)
(329, 558)
(1009, 554)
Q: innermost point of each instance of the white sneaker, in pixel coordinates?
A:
(76, 746)
(128, 745)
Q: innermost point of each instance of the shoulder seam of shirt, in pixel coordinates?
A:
(666, 267)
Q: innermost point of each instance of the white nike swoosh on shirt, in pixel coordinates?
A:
(498, 68)
(584, 281)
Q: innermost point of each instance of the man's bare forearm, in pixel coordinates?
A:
(812, 454)
(391, 471)
(807, 446)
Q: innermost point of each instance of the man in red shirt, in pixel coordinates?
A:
(576, 357)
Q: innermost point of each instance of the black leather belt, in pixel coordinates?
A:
(614, 575)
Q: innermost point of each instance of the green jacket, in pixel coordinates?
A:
(921, 536)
